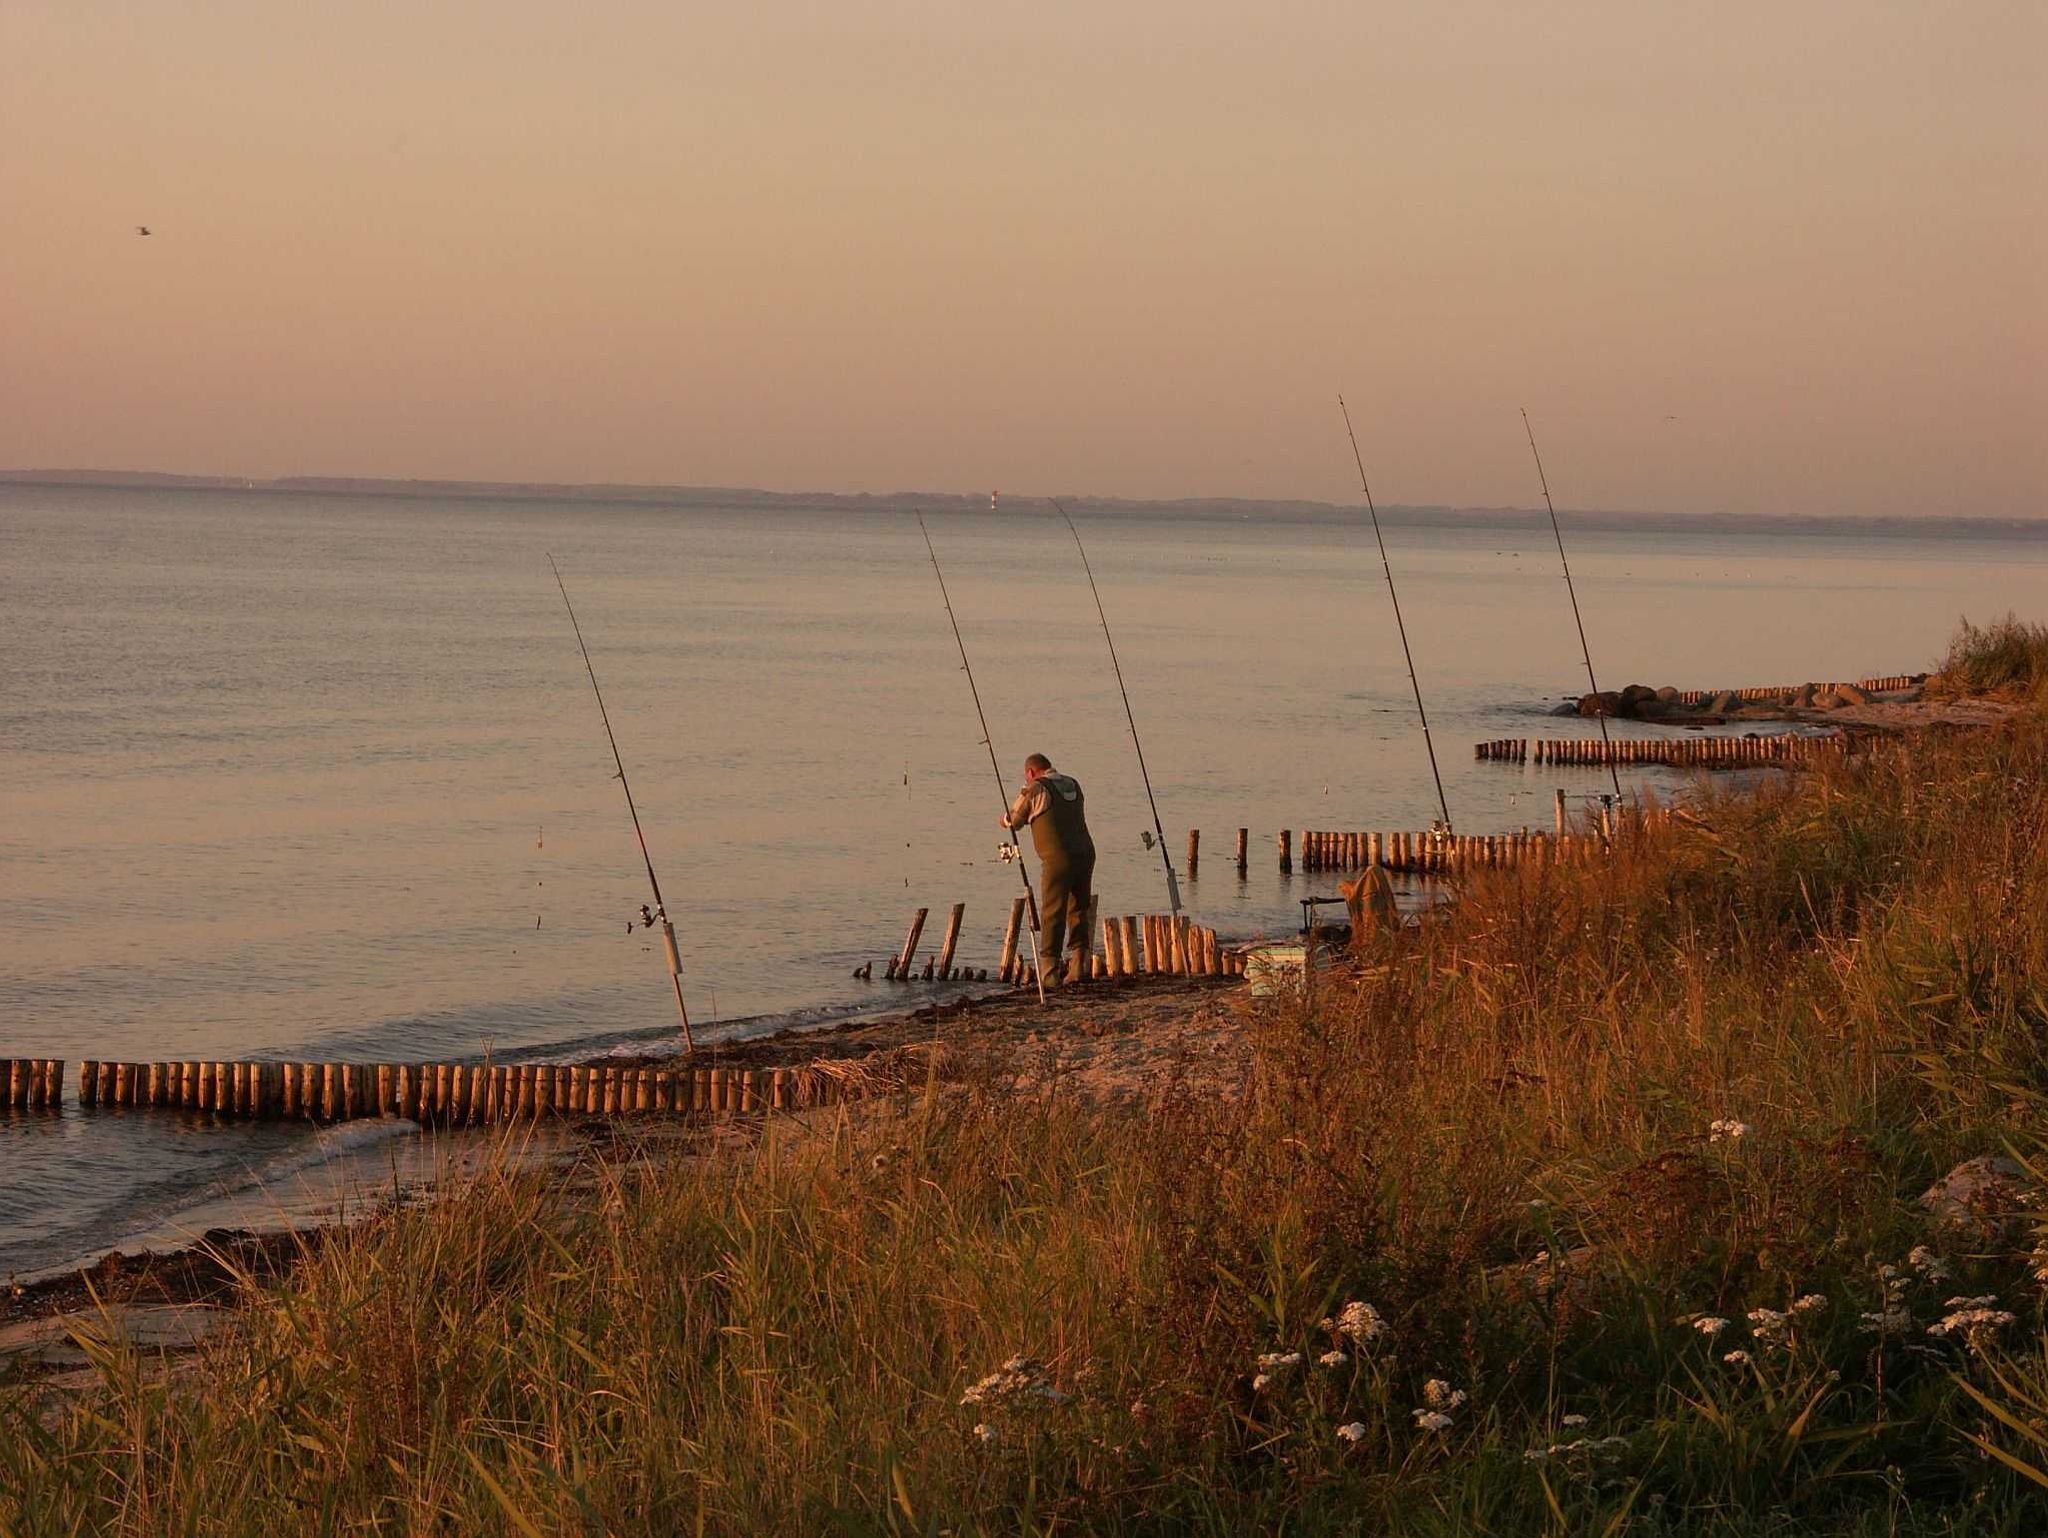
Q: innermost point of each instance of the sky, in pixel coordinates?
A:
(1765, 257)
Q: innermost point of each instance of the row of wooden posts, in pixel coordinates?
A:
(1677, 753)
(446, 1094)
(1131, 946)
(1440, 853)
(1888, 684)
(32, 1083)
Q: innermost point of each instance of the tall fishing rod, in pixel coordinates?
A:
(668, 930)
(987, 741)
(1165, 857)
(1601, 716)
(1429, 743)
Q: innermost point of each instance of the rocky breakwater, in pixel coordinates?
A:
(1708, 707)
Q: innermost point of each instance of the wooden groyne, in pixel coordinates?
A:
(1891, 683)
(1132, 945)
(1432, 853)
(450, 1094)
(32, 1083)
(1685, 753)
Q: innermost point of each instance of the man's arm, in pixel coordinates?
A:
(1023, 809)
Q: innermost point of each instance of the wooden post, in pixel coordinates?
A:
(1151, 944)
(1015, 928)
(643, 1090)
(1244, 836)
(1286, 852)
(1560, 810)
(1129, 948)
(1194, 851)
(909, 951)
(952, 939)
(88, 1084)
(1112, 961)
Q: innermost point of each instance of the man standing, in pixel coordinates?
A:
(1051, 804)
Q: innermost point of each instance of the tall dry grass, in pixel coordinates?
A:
(1496, 1131)
(2008, 656)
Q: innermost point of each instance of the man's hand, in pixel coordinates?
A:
(1003, 822)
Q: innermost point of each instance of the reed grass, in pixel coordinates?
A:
(2008, 656)
(1498, 1132)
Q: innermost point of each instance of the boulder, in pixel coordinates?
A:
(1828, 700)
(1852, 695)
(1667, 695)
(1802, 697)
(1722, 703)
(1981, 1199)
(1605, 703)
(1635, 694)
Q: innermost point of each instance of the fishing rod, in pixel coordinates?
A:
(1172, 884)
(1607, 750)
(1012, 843)
(668, 930)
(1442, 805)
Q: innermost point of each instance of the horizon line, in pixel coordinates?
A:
(656, 493)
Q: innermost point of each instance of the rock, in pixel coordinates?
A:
(1980, 1199)
(1565, 710)
(1635, 694)
(1723, 702)
(1802, 697)
(1605, 703)
(1829, 701)
(1852, 695)
(1667, 695)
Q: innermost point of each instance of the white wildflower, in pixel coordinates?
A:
(2039, 1261)
(1279, 1361)
(1260, 1382)
(1572, 1420)
(1360, 1322)
(1020, 1378)
(1771, 1327)
(1928, 1264)
(1439, 1395)
(1710, 1325)
(1889, 1321)
(1432, 1420)
(1333, 1359)
(1534, 1454)
(1811, 1303)
(1735, 1358)
(987, 1433)
(1727, 1130)
(1353, 1433)
(1975, 1319)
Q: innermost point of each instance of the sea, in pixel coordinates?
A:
(321, 776)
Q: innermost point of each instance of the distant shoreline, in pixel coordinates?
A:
(1220, 509)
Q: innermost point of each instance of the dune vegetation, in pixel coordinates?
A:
(1611, 1199)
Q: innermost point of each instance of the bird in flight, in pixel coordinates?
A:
(142, 229)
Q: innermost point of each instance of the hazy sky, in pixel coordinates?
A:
(1129, 249)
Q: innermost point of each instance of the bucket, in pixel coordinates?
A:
(1274, 969)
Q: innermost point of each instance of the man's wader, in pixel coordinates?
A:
(1066, 864)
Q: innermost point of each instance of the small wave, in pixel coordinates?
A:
(326, 1145)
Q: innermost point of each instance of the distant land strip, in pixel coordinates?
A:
(1221, 509)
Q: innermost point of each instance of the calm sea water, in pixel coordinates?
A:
(323, 777)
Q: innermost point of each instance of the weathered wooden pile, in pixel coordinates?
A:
(452, 1094)
(32, 1083)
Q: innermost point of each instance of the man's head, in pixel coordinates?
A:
(1035, 766)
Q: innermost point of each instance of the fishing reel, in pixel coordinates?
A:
(1008, 853)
